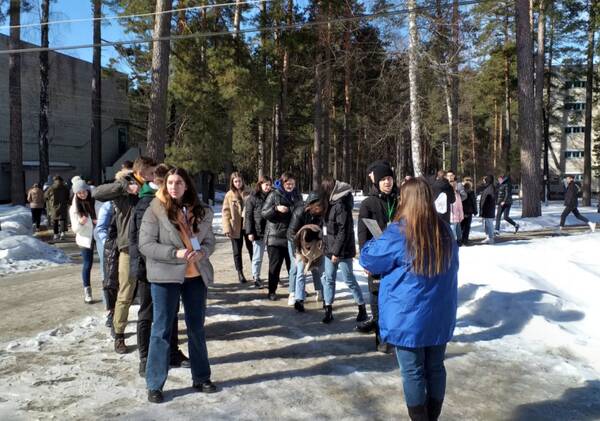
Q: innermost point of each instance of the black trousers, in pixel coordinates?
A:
(36, 216)
(504, 211)
(276, 257)
(63, 225)
(144, 323)
(576, 213)
(237, 245)
(465, 226)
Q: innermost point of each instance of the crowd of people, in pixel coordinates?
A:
(155, 237)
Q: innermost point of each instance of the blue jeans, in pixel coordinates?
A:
(330, 275)
(488, 225)
(258, 251)
(86, 269)
(165, 298)
(292, 272)
(423, 373)
(317, 272)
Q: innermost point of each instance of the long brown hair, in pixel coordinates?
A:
(327, 186)
(262, 180)
(238, 192)
(427, 237)
(188, 200)
(86, 206)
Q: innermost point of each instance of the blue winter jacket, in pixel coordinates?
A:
(103, 224)
(415, 311)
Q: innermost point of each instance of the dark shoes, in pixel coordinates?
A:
(418, 413)
(362, 314)
(516, 228)
(120, 347)
(328, 315)
(258, 283)
(434, 409)
(155, 396)
(179, 360)
(109, 320)
(272, 296)
(205, 387)
(299, 306)
(142, 367)
(242, 278)
(367, 326)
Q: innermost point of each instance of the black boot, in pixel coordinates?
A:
(328, 314)
(258, 283)
(241, 277)
(418, 413)
(367, 326)
(434, 408)
(299, 306)
(362, 314)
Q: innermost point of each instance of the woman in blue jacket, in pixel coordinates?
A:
(418, 262)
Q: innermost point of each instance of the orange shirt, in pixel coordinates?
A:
(191, 270)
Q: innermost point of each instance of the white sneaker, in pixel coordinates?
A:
(62, 235)
(291, 300)
(87, 295)
(55, 237)
(592, 226)
(319, 296)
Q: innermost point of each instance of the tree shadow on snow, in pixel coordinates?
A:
(507, 313)
(580, 403)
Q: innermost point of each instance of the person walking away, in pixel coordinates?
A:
(57, 197)
(443, 195)
(255, 224)
(487, 203)
(456, 213)
(277, 210)
(124, 194)
(418, 261)
(35, 197)
(339, 244)
(83, 219)
(379, 205)
(570, 202)
(233, 222)
(138, 272)
(469, 209)
(177, 239)
(504, 202)
(310, 214)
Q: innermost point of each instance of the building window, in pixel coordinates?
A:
(123, 140)
(575, 84)
(574, 129)
(573, 154)
(575, 106)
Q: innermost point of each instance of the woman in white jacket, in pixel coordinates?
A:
(83, 219)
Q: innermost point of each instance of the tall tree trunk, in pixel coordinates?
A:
(261, 147)
(237, 18)
(540, 60)
(160, 82)
(496, 137)
(548, 109)
(415, 114)
(17, 179)
(454, 87)
(327, 94)
(44, 156)
(530, 153)
(274, 128)
(318, 110)
(346, 160)
(589, 86)
(474, 157)
(335, 159)
(96, 132)
(505, 149)
(276, 152)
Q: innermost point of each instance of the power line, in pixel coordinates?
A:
(135, 15)
(241, 31)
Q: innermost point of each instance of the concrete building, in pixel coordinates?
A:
(566, 129)
(69, 117)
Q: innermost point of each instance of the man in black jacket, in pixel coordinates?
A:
(380, 205)
(255, 225)
(571, 204)
(504, 202)
(487, 204)
(443, 194)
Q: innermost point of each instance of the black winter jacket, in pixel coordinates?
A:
(487, 201)
(443, 186)
(254, 222)
(378, 206)
(505, 192)
(301, 217)
(137, 262)
(571, 195)
(277, 222)
(470, 204)
(111, 257)
(338, 232)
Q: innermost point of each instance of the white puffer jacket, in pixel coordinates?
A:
(84, 234)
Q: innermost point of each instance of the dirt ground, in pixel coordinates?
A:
(269, 362)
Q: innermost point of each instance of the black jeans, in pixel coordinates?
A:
(576, 213)
(36, 216)
(276, 257)
(63, 225)
(465, 226)
(144, 323)
(237, 245)
(503, 210)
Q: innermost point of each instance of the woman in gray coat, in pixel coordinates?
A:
(176, 238)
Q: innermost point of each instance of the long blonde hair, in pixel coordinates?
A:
(427, 238)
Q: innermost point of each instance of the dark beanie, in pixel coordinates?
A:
(381, 171)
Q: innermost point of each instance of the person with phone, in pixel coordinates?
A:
(177, 239)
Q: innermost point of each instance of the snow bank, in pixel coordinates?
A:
(19, 250)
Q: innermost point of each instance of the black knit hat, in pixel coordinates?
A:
(381, 171)
(313, 197)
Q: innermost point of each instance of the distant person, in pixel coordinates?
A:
(255, 225)
(418, 261)
(451, 177)
(487, 204)
(469, 209)
(233, 222)
(571, 191)
(443, 195)
(456, 212)
(504, 202)
(35, 197)
(57, 197)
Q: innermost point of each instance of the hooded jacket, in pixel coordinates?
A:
(338, 226)
(277, 222)
(378, 206)
(57, 197)
(254, 223)
(487, 201)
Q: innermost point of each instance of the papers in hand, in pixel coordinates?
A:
(373, 227)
